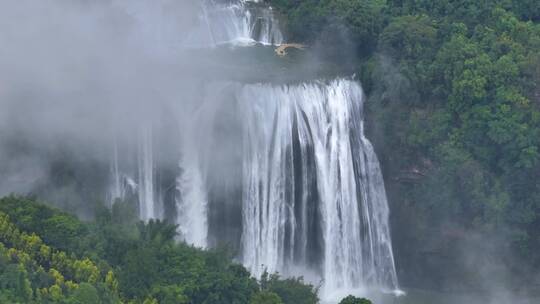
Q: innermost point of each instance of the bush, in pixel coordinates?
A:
(354, 300)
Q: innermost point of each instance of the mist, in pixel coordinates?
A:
(76, 75)
(80, 79)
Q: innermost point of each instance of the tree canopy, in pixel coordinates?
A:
(454, 114)
(127, 261)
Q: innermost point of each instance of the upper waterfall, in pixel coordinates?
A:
(237, 23)
(215, 23)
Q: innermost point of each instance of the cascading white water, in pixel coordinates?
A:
(263, 25)
(116, 191)
(217, 23)
(128, 182)
(234, 23)
(123, 185)
(326, 123)
(192, 200)
(148, 201)
(312, 193)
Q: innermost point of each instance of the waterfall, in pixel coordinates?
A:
(192, 201)
(116, 190)
(121, 184)
(148, 200)
(296, 183)
(143, 188)
(305, 148)
(217, 23)
(235, 22)
(264, 27)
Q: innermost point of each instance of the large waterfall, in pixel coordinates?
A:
(283, 173)
(306, 158)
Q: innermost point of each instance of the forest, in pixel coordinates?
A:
(49, 256)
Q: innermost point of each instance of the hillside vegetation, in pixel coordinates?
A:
(454, 104)
(48, 256)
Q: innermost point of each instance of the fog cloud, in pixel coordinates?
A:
(75, 75)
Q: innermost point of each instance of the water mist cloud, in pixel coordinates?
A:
(75, 74)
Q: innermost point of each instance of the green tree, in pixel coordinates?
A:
(290, 290)
(265, 297)
(354, 300)
(85, 294)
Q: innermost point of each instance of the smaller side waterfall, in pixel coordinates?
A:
(117, 189)
(191, 184)
(137, 181)
(147, 195)
(122, 185)
(192, 201)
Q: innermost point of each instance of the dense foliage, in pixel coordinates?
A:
(455, 105)
(47, 256)
(31, 271)
(354, 300)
